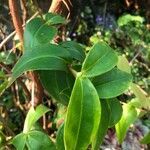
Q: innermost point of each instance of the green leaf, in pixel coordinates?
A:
(60, 138)
(33, 140)
(37, 140)
(83, 115)
(103, 125)
(115, 111)
(141, 97)
(123, 64)
(19, 141)
(112, 83)
(46, 57)
(128, 117)
(38, 32)
(34, 115)
(3, 86)
(54, 19)
(59, 84)
(99, 60)
(2, 75)
(125, 19)
(75, 50)
(7, 57)
(146, 139)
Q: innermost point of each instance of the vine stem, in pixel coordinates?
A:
(16, 19)
(19, 29)
(74, 72)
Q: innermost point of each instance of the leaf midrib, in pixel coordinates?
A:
(80, 114)
(92, 65)
(30, 60)
(44, 23)
(109, 82)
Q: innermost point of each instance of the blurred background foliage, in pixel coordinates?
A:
(124, 24)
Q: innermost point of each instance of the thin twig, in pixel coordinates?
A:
(16, 98)
(26, 91)
(6, 126)
(24, 14)
(135, 57)
(10, 36)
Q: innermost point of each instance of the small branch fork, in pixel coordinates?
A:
(19, 30)
(57, 7)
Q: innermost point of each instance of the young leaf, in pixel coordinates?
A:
(112, 83)
(83, 115)
(99, 60)
(103, 125)
(59, 84)
(75, 50)
(123, 64)
(60, 138)
(19, 141)
(38, 32)
(115, 111)
(45, 57)
(128, 117)
(34, 115)
(141, 96)
(146, 139)
(37, 140)
(127, 18)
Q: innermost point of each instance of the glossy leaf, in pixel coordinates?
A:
(115, 111)
(46, 57)
(54, 19)
(37, 140)
(123, 64)
(100, 59)
(34, 115)
(60, 138)
(38, 32)
(128, 117)
(33, 140)
(59, 84)
(112, 83)
(19, 141)
(103, 125)
(83, 115)
(75, 50)
(146, 139)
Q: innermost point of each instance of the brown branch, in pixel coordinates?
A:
(24, 14)
(18, 27)
(16, 19)
(62, 7)
(38, 89)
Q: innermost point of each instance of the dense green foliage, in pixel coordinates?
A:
(92, 88)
